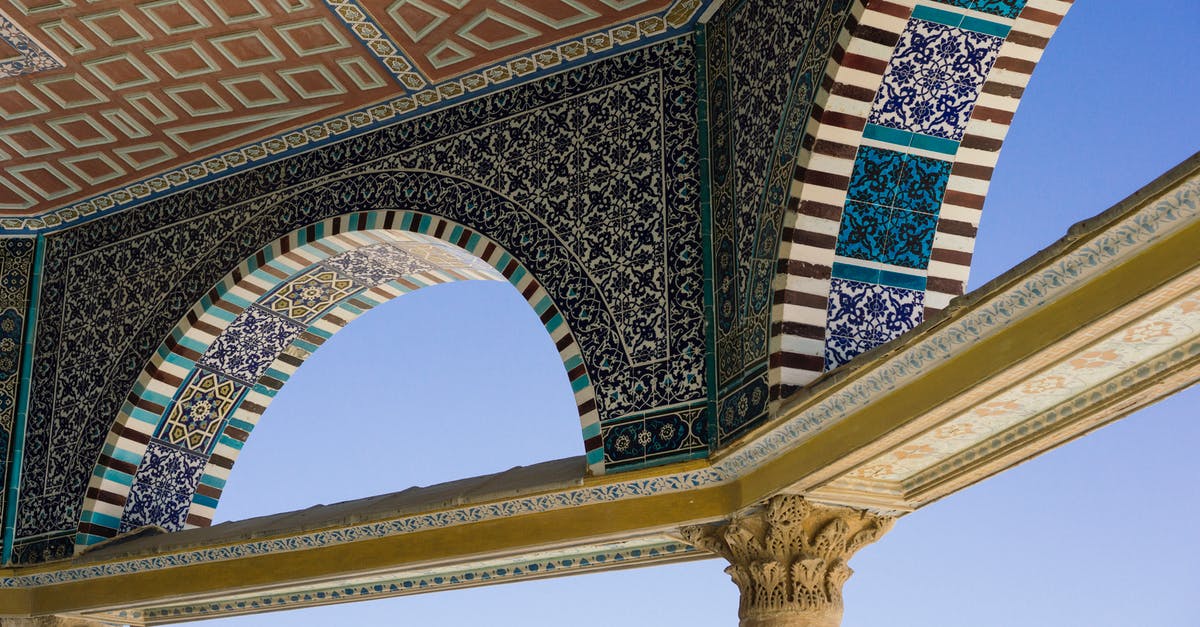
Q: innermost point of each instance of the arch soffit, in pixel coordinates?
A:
(170, 450)
(892, 176)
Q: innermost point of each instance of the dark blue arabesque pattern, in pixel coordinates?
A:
(933, 79)
(764, 62)
(16, 268)
(162, 490)
(599, 198)
(250, 343)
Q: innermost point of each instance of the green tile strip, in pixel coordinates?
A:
(910, 139)
(890, 278)
(18, 434)
(958, 20)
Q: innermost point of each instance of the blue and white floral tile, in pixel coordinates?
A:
(250, 344)
(933, 79)
(155, 505)
(840, 349)
(377, 264)
(876, 313)
(168, 465)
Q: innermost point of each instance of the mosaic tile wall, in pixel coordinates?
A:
(892, 180)
(16, 274)
(763, 65)
(634, 302)
(169, 455)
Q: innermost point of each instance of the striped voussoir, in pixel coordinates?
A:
(250, 285)
(825, 164)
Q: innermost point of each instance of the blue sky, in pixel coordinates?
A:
(459, 380)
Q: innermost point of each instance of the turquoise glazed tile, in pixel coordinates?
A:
(1003, 8)
(864, 231)
(910, 239)
(876, 172)
(922, 184)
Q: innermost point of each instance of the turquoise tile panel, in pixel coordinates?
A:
(855, 273)
(902, 280)
(211, 481)
(205, 500)
(986, 27)
(934, 144)
(930, 14)
(885, 134)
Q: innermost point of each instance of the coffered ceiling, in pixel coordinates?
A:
(104, 104)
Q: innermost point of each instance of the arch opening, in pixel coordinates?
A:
(171, 449)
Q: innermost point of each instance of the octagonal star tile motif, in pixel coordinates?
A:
(200, 410)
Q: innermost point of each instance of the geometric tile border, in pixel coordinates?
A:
(860, 113)
(166, 410)
(34, 57)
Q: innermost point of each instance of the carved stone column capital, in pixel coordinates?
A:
(789, 558)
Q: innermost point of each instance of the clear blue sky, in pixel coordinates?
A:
(459, 380)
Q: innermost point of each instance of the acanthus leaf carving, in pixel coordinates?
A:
(788, 558)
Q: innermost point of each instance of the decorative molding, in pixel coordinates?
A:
(577, 560)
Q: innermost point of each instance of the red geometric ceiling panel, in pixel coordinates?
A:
(114, 101)
(448, 37)
(155, 85)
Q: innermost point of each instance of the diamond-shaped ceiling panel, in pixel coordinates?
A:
(103, 105)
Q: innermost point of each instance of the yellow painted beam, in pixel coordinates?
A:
(445, 545)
